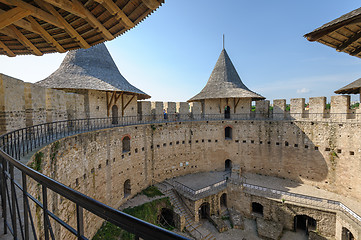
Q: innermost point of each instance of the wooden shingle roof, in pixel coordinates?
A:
(46, 26)
(352, 88)
(93, 69)
(225, 82)
(343, 33)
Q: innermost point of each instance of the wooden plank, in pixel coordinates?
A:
(107, 99)
(115, 10)
(117, 97)
(151, 4)
(9, 17)
(24, 41)
(7, 50)
(109, 104)
(236, 103)
(126, 105)
(349, 41)
(36, 12)
(44, 34)
(67, 6)
(68, 28)
(93, 20)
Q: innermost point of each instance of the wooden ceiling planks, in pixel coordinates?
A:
(45, 26)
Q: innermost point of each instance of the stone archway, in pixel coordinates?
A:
(223, 200)
(257, 208)
(127, 188)
(166, 218)
(346, 234)
(228, 165)
(305, 223)
(204, 210)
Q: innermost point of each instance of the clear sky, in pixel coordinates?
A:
(172, 53)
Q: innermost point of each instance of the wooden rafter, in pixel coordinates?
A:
(356, 51)
(93, 20)
(15, 14)
(115, 10)
(151, 4)
(68, 6)
(117, 97)
(24, 41)
(44, 34)
(36, 12)
(24, 24)
(126, 105)
(68, 28)
(349, 41)
(7, 50)
(235, 103)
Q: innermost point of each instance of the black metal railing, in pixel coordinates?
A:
(15, 176)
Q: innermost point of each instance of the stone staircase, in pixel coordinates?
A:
(191, 226)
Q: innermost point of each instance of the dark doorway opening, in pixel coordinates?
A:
(126, 144)
(227, 112)
(114, 114)
(127, 188)
(228, 133)
(346, 234)
(166, 218)
(257, 208)
(204, 211)
(228, 165)
(305, 223)
(223, 200)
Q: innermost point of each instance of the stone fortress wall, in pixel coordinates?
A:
(318, 147)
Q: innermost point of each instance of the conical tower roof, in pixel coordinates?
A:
(92, 68)
(225, 82)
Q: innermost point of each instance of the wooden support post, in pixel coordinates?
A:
(236, 104)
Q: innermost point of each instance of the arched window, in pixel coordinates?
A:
(346, 234)
(127, 188)
(227, 112)
(228, 165)
(126, 144)
(114, 114)
(257, 208)
(228, 133)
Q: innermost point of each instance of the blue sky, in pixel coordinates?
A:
(172, 53)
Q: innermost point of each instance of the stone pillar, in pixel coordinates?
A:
(297, 108)
(157, 110)
(183, 110)
(262, 109)
(317, 108)
(340, 107)
(279, 109)
(196, 109)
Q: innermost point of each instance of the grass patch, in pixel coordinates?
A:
(147, 212)
(152, 191)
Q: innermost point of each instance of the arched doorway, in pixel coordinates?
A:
(346, 234)
(228, 165)
(227, 112)
(223, 200)
(114, 114)
(165, 218)
(126, 144)
(305, 223)
(257, 208)
(204, 211)
(127, 188)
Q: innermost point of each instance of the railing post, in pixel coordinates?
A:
(25, 202)
(45, 210)
(13, 200)
(3, 193)
(79, 221)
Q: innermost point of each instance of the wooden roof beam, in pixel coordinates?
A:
(94, 21)
(44, 34)
(67, 6)
(15, 14)
(68, 28)
(24, 41)
(36, 12)
(349, 41)
(24, 24)
(7, 50)
(115, 10)
(151, 4)
(356, 51)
